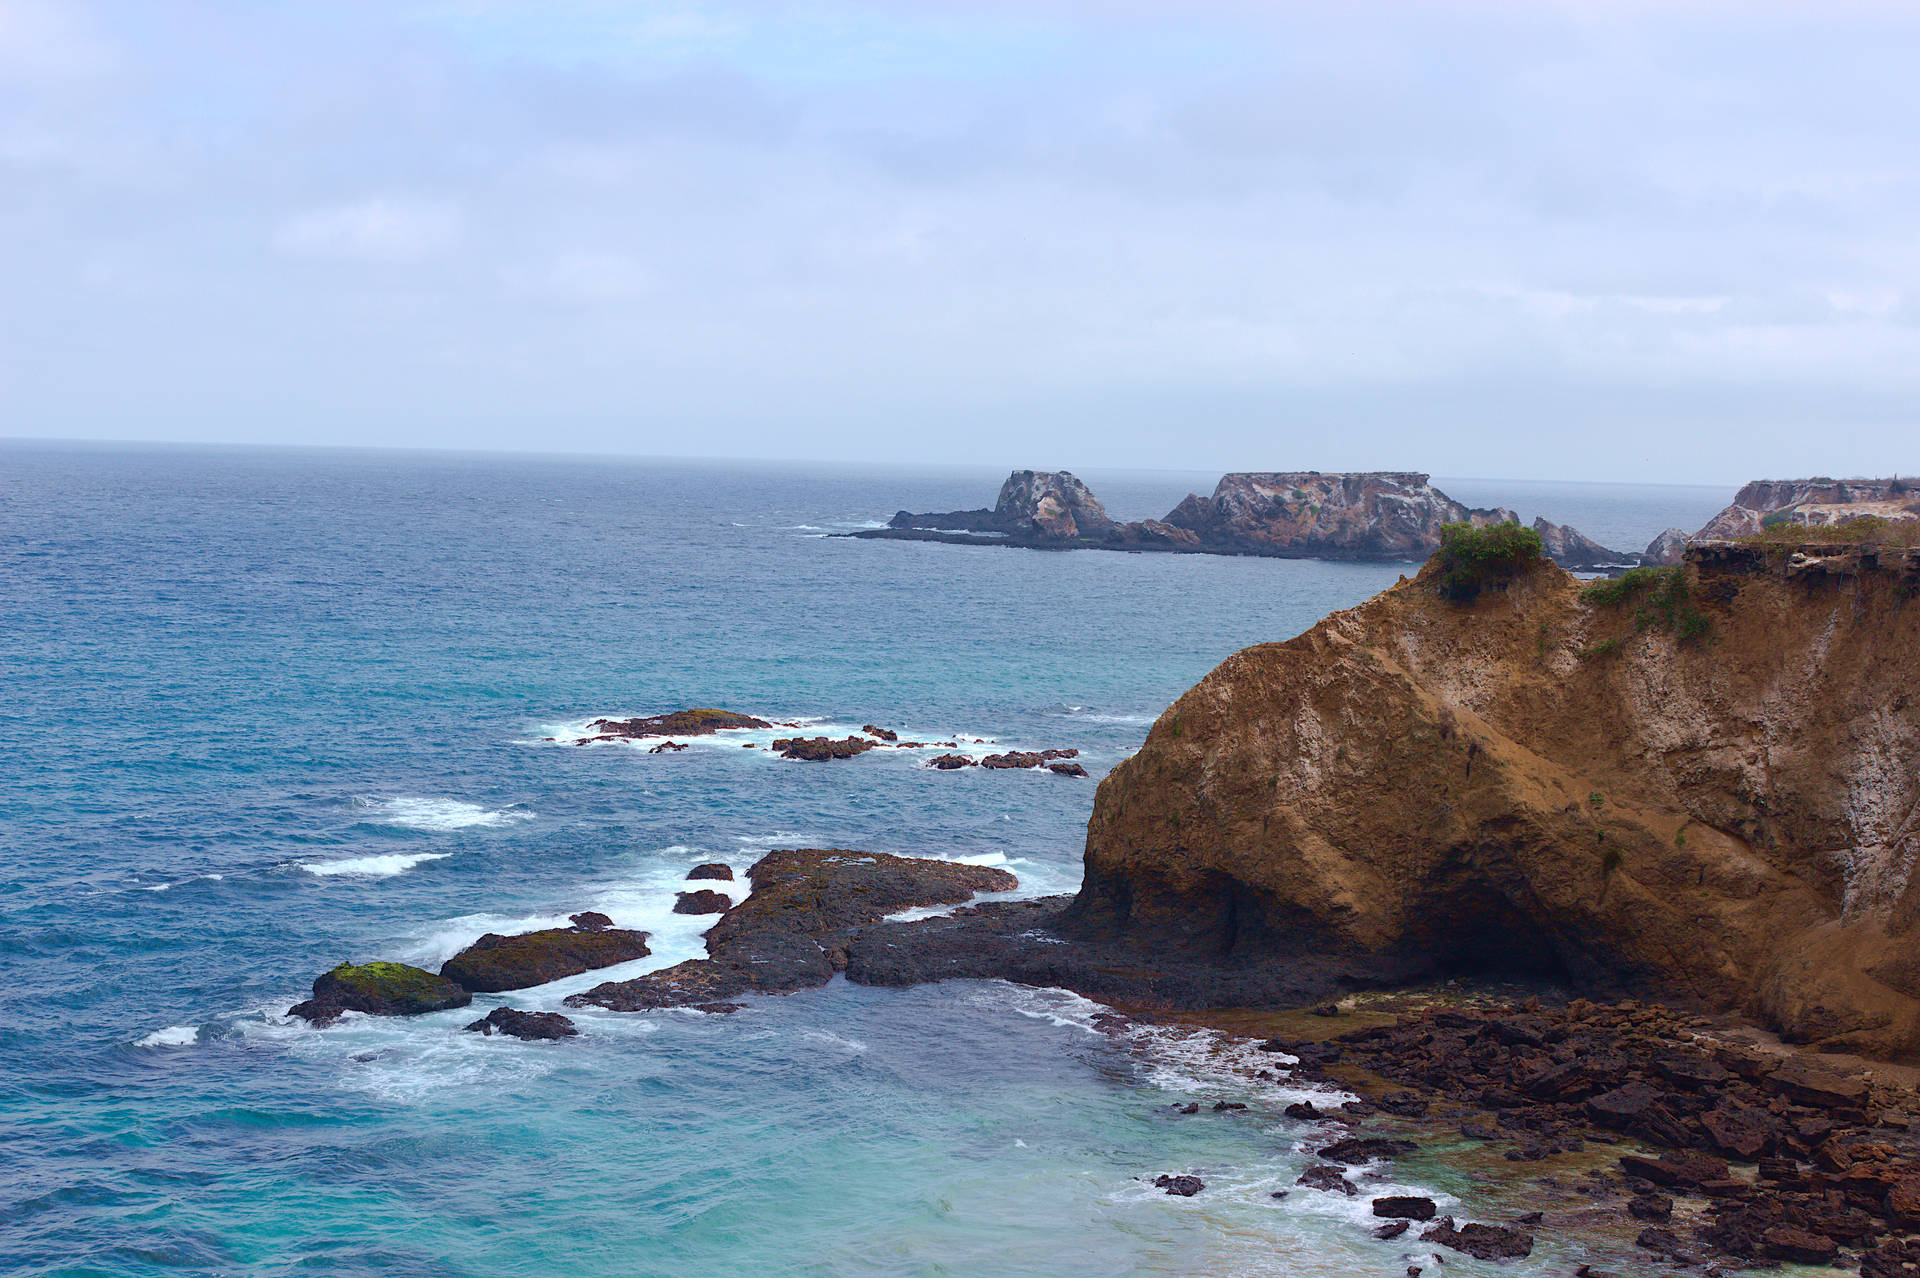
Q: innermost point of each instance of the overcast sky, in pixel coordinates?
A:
(1603, 240)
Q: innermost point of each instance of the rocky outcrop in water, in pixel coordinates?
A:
(795, 928)
(1557, 781)
(1569, 548)
(379, 989)
(1293, 514)
(680, 723)
(531, 1026)
(1034, 505)
(821, 749)
(1307, 514)
(494, 962)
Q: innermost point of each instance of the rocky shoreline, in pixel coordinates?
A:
(1650, 1137)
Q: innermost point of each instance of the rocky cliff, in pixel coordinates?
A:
(1703, 783)
(1817, 502)
(1370, 515)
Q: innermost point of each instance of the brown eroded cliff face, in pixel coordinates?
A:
(1534, 782)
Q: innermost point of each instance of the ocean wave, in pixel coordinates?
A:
(377, 867)
(194, 878)
(438, 815)
(171, 1036)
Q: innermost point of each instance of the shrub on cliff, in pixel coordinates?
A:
(1471, 559)
(1662, 599)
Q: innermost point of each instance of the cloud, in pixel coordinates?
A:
(1265, 233)
(380, 229)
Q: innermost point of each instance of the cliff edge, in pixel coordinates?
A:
(1702, 782)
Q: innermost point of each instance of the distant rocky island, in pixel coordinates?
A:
(1361, 515)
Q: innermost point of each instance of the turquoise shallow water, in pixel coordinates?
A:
(265, 711)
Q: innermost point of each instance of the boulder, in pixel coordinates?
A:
(590, 921)
(951, 762)
(1740, 1131)
(1675, 1170)
(1392, 1229)
(1406, 1207)
(1786, 1242)
(1066, 769)
(1366, 1149)
(1482, 1242)
(1012, 759)
(1328, 1177)
(705, 901)
(881, 733)
(1182, 1186)
(379, 989)
(1800, 1080)
(494, 962)
(712, 870)
(531, 1026)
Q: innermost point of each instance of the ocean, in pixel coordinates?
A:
(266, 710)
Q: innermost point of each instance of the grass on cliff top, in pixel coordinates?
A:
(1864, 530)
(1662, 599)
(1471, 559)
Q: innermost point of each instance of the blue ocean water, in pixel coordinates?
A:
(267, 710)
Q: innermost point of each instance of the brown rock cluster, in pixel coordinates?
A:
(1835, 1169)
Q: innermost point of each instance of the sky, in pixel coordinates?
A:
(1585, 239)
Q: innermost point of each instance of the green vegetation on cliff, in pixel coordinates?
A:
(1662, 599)
(1472, 559)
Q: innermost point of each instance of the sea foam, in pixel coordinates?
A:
(436, 814)
(376, 867)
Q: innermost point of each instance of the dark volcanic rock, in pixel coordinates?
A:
(379, 989)
(794, 930)
(1183, 1186)
(1032, 942)
(681, 723)
(528, 1025)
(881, 733)
(712, 870)
(1392, 1229)
(1366, 1149)
(496, 962)
(1675, 1171)
(821, 749)
(1329, 1177)
(705, 901)
(1012, 759)
(590, 921)
(1482, 1242)
(666, 747)
(1066, 769)
(1405, 1207)
(950, 762)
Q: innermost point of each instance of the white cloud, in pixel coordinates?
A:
(380, 229)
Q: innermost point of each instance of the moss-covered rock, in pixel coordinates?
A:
(379, 989)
